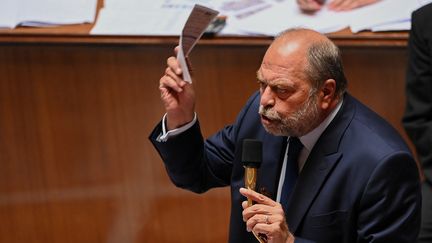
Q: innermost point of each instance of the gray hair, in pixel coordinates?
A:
(324, 62)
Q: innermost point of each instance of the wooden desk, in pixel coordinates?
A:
(76, 110)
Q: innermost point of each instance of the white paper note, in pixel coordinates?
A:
(196, 24)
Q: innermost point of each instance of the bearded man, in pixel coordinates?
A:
(355, 180)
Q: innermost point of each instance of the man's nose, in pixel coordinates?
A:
(267, 97)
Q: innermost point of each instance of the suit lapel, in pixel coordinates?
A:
(308, 185)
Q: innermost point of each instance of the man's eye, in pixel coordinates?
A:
(281, 91)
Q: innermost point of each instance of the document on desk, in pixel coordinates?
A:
(286, 14)
(8, 14)
(382, 13)
(151, 22)
(138, 17)
(194, 28)
(46, 12)
(393, 26)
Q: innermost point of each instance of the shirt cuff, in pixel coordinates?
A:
(165, 135)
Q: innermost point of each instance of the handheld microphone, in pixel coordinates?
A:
(251, 159)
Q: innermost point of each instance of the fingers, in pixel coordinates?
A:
(177, 64)
(272, 225)
(252, 222)
(264, 208)
(309, 5)
(177, 95)
(335, 5)
(274, 233)
(343, 5)
(174, 65)
(266, 216)
(260, 209)
(170, 82)
(172, 79)
(244, 204)
(257, 197)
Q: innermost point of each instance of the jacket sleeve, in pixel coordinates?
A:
(196, 164)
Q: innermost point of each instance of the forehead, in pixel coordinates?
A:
(276, 74)
(283, 60)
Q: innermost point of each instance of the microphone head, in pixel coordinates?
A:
(252, 153)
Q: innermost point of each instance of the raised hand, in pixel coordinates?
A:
(177, 95)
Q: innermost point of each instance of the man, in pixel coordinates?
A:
(417, 119)
(357, 181)
(334, 5)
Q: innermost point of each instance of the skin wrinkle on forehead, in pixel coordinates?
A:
(284, 62)
(278, 75)
(274, 81)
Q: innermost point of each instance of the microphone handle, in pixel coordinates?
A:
(250, 180)
(250, 183)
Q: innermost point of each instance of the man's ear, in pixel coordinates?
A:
(328, 94)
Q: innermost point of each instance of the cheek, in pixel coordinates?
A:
(285, 110)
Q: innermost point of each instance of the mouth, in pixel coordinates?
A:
(266, 120)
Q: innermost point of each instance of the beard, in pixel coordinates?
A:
(296, 124)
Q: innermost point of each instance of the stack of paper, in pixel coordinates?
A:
(46, 12)
(7, 14)
(251, 17)
(137, 17)
(384, 15)
(140, 22)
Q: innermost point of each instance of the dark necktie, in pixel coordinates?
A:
(291, 172)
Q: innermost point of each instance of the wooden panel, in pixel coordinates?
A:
(74, 119)
(79, 34)
(76, 162)
(377, 77)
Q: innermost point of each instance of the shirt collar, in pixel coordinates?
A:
(309, 139)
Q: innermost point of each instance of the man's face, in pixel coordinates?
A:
(296, 123)
(289, 105)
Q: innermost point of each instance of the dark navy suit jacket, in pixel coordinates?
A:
(360, 182)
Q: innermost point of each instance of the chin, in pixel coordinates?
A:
(274, 131)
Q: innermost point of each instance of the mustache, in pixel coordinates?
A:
(269, 113)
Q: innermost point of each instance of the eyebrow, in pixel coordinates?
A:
(277, 82)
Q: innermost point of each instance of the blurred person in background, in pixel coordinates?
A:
(417, 119)
(335, 5)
